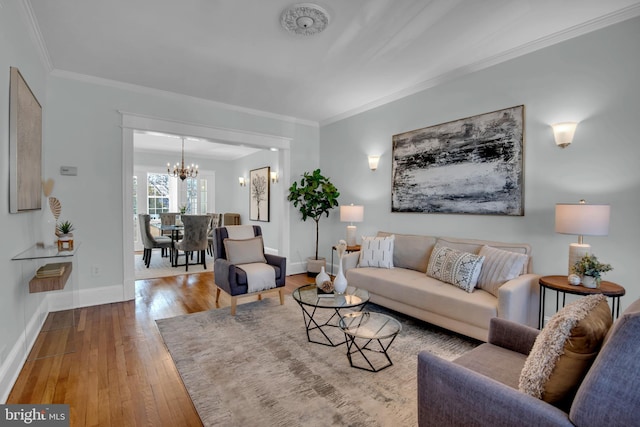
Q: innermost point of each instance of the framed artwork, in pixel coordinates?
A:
(259, 194)
(25, 146)
(467, 166)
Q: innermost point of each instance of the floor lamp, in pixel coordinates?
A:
(351, 213)
(582, 220)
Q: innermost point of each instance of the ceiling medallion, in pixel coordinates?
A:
(305, 18)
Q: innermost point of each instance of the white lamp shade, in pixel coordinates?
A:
(373, 162)
(351, 213)
(582, 219)
(563, 133)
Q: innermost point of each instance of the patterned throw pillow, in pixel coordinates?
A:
(455, 267)
(498, 267)
(376, 252)
(565, 349)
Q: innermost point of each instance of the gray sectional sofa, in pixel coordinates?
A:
(406, 288)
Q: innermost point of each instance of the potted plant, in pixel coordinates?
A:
(65, 237)
(590, 269)
(314, 196)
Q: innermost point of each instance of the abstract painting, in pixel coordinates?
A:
(467, 166)
(259, 194)
(25, 146)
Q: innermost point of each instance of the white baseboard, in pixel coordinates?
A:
(296, 268)
(12, 365)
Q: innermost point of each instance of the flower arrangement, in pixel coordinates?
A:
(589, 265)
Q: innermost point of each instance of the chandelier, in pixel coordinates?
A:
(180, 171)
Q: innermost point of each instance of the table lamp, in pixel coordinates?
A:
(581, 219)
(351, 213)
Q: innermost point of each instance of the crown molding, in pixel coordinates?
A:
(541, 43)
(36, 35)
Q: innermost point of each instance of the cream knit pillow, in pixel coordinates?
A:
(498, 267)
(565, 349)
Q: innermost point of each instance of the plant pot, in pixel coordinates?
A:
(314, 266)
(589, 282)
(65, 242)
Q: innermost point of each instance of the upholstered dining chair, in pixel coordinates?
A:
(216, 221)
(148, 240)
(238, 253)
(194, 240)
(169, 218)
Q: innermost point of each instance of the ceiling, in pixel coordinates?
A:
(236, 52)
(154, 142)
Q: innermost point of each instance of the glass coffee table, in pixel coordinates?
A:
(369, 335)
(322, 315)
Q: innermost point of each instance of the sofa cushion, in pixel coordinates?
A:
(428, 294)
(452, 266)
(244, 251)
(377, 252)
(495, 362)
(564, 350)
(473, 246)
(411, 251)
(498, 267)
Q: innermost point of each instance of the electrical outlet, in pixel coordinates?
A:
(96, 270)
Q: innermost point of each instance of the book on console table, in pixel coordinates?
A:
(50, 270)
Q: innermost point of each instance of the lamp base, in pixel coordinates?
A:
(351, 235)
(576, 252)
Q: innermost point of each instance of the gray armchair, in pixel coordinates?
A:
(481, 387)
(232, 279)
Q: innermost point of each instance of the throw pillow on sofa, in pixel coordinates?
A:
(498, 267)
(455, 267)
(376, 252)
(565, 349)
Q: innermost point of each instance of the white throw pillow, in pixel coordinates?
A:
(455, 267)
(245, 251)
(376, 252)
(498, 267)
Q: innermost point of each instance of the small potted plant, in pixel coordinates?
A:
(590, 269)
(65, 237)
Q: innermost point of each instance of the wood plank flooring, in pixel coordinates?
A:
(121, 373)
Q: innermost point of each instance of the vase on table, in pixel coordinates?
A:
(340, 282)
(590, 281)
(48, 227)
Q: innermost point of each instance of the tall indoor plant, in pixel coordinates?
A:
(314, 196)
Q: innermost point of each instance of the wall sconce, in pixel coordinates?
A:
(563, 132)
(373, 162)
(274, 177)
(242, 181)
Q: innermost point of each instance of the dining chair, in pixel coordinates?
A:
(216, 221)
(169, 218)
(149, 241)
(193, 241)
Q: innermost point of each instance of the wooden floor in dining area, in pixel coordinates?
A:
(120, 373)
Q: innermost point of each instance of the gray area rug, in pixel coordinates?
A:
(258, 369)
(161, 267)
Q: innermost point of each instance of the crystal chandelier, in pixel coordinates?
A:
(180, 171)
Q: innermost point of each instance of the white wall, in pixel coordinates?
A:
(592, 79)
(20, 231)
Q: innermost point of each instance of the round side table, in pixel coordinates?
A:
(560, 284)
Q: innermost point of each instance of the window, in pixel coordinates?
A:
(157, 194)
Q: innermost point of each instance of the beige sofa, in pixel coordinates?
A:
(407, 289)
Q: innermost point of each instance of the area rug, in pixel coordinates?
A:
(258, 368)
(161, 267)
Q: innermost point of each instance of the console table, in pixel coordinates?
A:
(57, 335)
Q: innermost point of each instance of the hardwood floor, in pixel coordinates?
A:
(121, 373)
